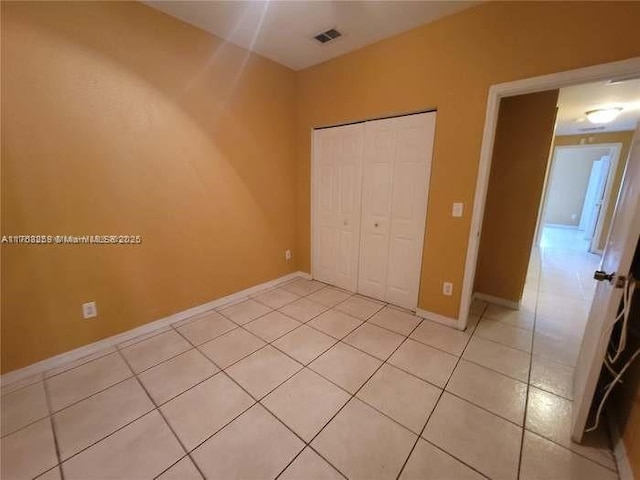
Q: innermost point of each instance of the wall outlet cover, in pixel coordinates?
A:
(89, 310)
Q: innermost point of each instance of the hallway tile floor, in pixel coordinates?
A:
(307, 381)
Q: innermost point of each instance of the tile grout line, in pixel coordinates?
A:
(118, 350)
(106, 436)
(304, 366)
(196, 347)
(526, 400)
(54, 413)
(257, 401)
(53, 432)
(159, 411)
(172, 326)
(156, 406)
(504, 344)
(524, 428)
(436, 406)
(9, 385)
(351, 397)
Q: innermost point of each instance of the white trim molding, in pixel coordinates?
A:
(503, 302)
(625, 472)
(436, 317)
(93, 348)
(596, 73)
(560, 225)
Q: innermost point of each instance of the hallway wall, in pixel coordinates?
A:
(520, 155)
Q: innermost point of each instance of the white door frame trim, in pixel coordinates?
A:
(596, 73)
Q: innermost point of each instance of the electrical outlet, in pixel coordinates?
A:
(89, 310)
(447, 288)
(287, 255)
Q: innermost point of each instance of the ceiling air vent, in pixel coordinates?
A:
(327, 36)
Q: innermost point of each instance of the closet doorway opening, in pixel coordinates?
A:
(369, 195)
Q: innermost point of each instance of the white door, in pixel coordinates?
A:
(377, 185)
(337, 179)
(617, 258)
(397, 161)
(594, 196)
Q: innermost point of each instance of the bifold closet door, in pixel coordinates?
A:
(396, 168)
(337, 180)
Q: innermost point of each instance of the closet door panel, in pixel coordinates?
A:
(325, 148)
(415, 135)
(337, 168)
(377, 191)
(349, 206)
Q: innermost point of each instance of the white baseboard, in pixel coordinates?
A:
(436, 317)
(92, 348)
(619, 450)
(562, 225)
(503, 302)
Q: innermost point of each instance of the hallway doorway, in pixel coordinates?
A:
(579, 194)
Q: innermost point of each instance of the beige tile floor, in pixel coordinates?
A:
(310, 382)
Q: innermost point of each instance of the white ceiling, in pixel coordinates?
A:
(283, 30)
(573, 102)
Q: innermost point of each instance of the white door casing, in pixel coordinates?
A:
(397, 164)
(617, 257)
(337, 173)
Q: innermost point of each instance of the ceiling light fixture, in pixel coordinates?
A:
(603, 115)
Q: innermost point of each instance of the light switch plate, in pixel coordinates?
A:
(456, 210)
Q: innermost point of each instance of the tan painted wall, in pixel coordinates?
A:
(568, 181)
(521, 151)
(117, 119)
(153, 127)
(450, 65)
(614, 137)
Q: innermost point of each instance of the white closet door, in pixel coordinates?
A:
(412, 169)
(337, 173)
(397, 163)
(377, 190)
